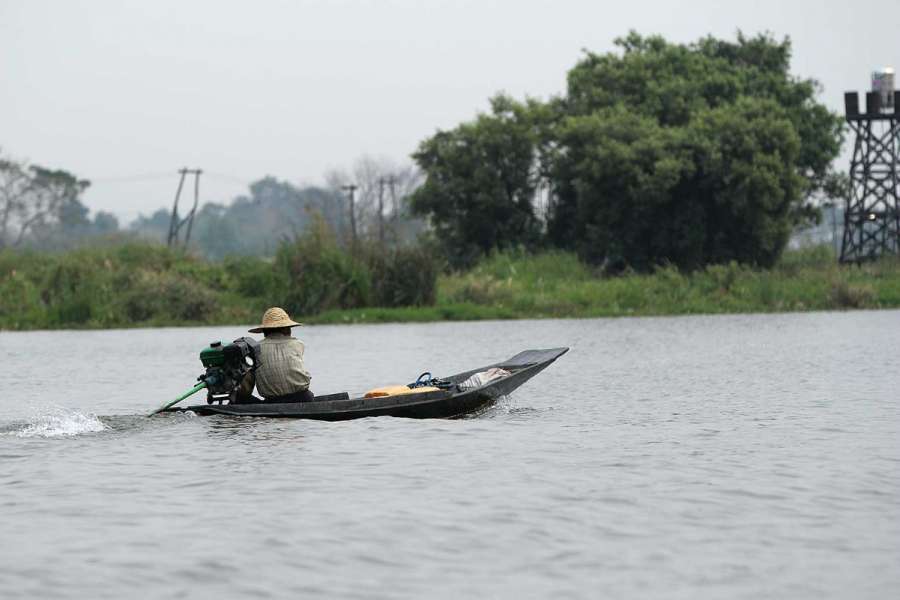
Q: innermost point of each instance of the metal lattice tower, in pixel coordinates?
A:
(872, 215)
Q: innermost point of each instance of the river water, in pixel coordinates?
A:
(696, 457)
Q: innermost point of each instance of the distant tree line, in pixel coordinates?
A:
(276, 211)
(253, 224)
(42, 209)
(659, 153)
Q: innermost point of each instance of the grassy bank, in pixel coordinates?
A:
(556, 284)
(145, 285)
(140, 285)
(124, 286)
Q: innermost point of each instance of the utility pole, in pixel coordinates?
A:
(390, 181)
(187, 236)
(173, 221)
(351, 190)
(176, 223)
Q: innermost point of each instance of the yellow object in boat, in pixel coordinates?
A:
(398, 390)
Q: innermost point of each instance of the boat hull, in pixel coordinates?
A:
(441, 404)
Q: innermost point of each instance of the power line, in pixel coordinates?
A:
(140, 177)
(226, 177)
(131, 178)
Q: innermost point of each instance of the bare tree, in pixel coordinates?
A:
(407, 179)
(32, 198)
(14, 186)
(382, 189)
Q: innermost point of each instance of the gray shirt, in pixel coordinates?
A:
(281, 369)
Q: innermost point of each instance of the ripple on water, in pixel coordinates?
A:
(635, 467)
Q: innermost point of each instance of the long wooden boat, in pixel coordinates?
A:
(447, 403)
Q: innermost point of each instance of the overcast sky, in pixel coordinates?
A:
(124, 93)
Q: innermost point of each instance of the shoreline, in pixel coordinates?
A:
(378, 317)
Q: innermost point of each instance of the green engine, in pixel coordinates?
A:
(226, 366)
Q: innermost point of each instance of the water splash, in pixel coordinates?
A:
(502, 406)
(60, 422)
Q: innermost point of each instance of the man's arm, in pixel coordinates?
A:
(243, 393)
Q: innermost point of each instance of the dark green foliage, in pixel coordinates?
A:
(480, 181)
(721, 188)
(144, 284)
(67, 290)
(103, 287)
(253, 277)
(152, 296)
(747, 182)
(558, 284)
(403, 276)
(672, 83)
(659, 154)
(127, 285)
(316, 274)
(319, 275)
(688, 154)
(616, 154)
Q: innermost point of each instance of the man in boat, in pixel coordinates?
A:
(281, 376)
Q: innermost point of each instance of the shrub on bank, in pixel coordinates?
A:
(403, 276)
(140, 283)
(318, 274)
(167, 296)
(146, 285)
(252, 277)
(126, 285)
(556, 284)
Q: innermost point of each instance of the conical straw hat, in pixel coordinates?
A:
(275, 318)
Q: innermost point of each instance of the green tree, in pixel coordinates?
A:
(480, 180)
(621, 176)
(689, 154)
(747, 185)
(674, 82)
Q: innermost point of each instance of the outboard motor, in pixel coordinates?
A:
(226, 367)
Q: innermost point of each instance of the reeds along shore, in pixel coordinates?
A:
(556, 284)
(139, 285)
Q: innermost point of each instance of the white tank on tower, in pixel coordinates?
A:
(883, 83)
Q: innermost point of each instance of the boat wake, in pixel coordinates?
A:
(58, 422)
(503, 406)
